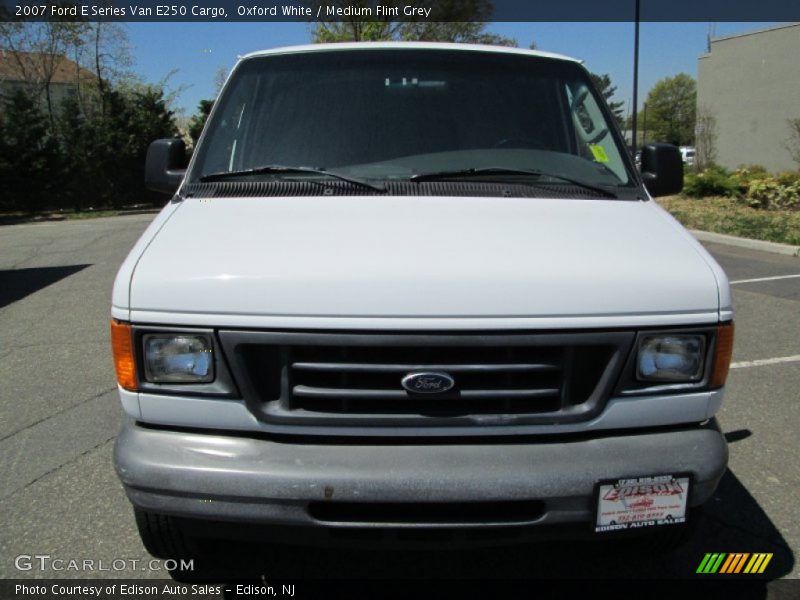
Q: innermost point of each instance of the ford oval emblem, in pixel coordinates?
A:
(428, 382)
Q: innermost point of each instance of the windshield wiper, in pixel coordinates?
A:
(266, 169)
(483, 171)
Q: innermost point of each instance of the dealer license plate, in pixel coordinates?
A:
(641, 502)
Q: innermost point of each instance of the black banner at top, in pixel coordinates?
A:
(399, 10)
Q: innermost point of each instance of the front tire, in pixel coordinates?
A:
(162, 535)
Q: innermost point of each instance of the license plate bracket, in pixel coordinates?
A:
(641, 502)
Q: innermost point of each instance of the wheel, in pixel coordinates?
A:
(162, 535)
(671, 538)
(662, 540)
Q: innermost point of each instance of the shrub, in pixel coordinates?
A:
(774, 193)
(712, 181)
(788, 178)
(747, 173)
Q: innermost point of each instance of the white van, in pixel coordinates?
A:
(416, 285)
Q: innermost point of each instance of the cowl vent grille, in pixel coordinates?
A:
(251, 189)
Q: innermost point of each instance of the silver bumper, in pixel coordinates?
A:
(269, 481)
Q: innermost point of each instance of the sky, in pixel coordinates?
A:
(194, 52)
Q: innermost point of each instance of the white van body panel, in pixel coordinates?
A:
(120, 296)
(231, 260)
(340, 46)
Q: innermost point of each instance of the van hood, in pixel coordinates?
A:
(420, 257)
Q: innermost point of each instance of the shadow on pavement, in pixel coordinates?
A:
(731, 521)
(15, 284)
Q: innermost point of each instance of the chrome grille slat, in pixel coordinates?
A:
(404, 368)
(488, 380)
(304, 391)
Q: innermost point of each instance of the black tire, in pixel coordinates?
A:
(672, 537)
(668, 538)
(162, 535)
(664, 539)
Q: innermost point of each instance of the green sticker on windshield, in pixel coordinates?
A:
(599, 153)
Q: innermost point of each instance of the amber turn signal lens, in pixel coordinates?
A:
(122, 345)
(722, 355)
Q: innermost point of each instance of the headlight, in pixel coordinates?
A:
(178, 358)
(671, 358)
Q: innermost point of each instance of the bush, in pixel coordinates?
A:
(751, 185)
(774, 193)
(712, 181)
(747, 173)
(788, 178)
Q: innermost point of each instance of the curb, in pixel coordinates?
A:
(732, 240)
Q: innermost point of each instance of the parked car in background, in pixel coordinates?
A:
(687, 155)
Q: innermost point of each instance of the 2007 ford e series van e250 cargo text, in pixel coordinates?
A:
(416, 286)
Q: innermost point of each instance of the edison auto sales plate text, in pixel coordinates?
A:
(641, 502)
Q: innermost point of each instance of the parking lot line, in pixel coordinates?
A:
(765, 279)
(765, 361)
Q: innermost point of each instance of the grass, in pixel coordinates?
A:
(89, 214)
(726, 215)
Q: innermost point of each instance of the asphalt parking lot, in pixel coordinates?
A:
(60, 415)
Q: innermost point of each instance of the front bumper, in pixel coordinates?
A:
(221, 477)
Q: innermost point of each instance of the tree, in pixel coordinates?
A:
(220, 76)
(30, 168)
(36, 50)
(466, 23)
(92, 151)
(705, 138)
(110, 57)
(105, 154)
(198, 120)
(603, 85)
(671, 111)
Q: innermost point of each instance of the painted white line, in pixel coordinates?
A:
(765, 279)
(765, 361)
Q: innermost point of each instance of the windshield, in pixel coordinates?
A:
(393, 114)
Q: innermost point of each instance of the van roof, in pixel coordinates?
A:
(406, 45)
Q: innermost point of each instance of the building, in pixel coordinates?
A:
(750, 84)
(30, 71)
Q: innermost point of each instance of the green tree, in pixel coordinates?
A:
(30, 165)
(198, 120)
(605, 87)
(671, 109)
(106, 153)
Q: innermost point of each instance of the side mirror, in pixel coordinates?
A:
(662, 169)
(165, 165)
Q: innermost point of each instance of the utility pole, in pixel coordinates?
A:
(644, 125)
(635, 142)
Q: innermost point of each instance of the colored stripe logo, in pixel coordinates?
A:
(734, 562)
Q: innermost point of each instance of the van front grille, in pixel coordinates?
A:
(369, 380)
(356, 380)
